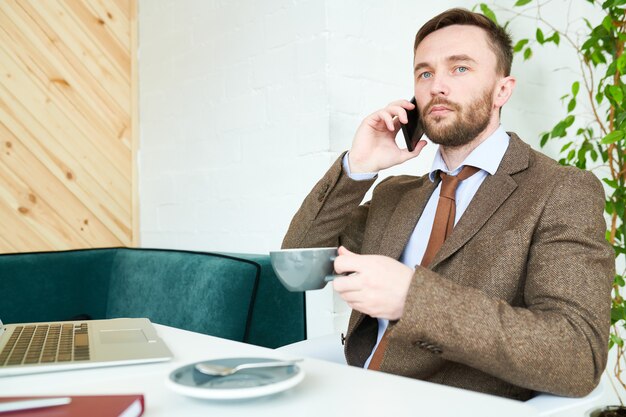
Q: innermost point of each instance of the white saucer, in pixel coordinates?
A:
(247, 383)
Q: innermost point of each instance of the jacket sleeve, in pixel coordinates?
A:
(330, 214)
(558, 343)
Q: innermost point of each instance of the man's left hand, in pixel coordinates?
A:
(377, 285)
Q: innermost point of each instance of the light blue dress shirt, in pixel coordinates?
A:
(487, 156)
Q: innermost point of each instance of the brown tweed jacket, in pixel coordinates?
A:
(518, 298)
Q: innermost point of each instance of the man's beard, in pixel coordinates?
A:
(468, 124)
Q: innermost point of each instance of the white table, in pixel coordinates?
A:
(328, 389)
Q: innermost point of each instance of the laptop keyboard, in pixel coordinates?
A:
(46, 343)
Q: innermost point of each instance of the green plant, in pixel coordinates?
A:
(595, 138)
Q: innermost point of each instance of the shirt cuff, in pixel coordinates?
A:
(362, 176)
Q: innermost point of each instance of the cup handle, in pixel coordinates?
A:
(329, 278)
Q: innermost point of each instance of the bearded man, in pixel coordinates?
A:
(490, 273)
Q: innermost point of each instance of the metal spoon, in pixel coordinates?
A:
(220, 370)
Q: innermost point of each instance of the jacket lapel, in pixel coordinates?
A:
(490, 196)
(404, 218)
(400, 227)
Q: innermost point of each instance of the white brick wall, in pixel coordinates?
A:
(232, 96)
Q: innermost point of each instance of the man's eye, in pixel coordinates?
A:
(461, 69)
(425, 75)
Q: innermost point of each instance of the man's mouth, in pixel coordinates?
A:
(439, 107)
(439, 110)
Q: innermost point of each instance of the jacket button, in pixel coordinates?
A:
(433, 349)
(419, 343)
(427, 346)
(343, 339)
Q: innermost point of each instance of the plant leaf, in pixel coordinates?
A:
(617, 314)
(616, 93)
(612, 137)
(589, 43)
(520, 3)
(619, 121)
(597, 58)
(616, 340)
(488, 12)
(571, 105)
(558, 131)
(567, 145)
(621, 63)
(607, 22)
(539, 35)
(619, 208)
(520, 45)
(527, 53)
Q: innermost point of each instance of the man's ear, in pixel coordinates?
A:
(503, 91)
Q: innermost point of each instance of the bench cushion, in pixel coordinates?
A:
(205, 293)
(48, 286)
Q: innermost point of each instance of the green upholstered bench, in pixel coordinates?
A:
(233, 296)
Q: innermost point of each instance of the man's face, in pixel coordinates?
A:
(455, 83)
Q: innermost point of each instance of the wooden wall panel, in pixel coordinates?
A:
(67, 124)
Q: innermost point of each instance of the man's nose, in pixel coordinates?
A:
(439, 86)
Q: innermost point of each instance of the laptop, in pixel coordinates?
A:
(30, 348)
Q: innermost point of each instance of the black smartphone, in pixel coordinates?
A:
(413, 130)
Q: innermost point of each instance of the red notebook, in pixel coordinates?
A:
(83, 406)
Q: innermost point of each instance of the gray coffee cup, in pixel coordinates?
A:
(304, 269)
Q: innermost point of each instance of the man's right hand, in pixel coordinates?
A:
(374, 146)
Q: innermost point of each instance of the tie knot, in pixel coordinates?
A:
(449, 183)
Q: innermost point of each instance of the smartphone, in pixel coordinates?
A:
(412, 130)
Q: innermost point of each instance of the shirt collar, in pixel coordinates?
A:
(487, 156)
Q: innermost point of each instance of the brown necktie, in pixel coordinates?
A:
(446, 211)
(442, 227)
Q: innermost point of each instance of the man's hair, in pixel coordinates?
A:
(499, 40)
